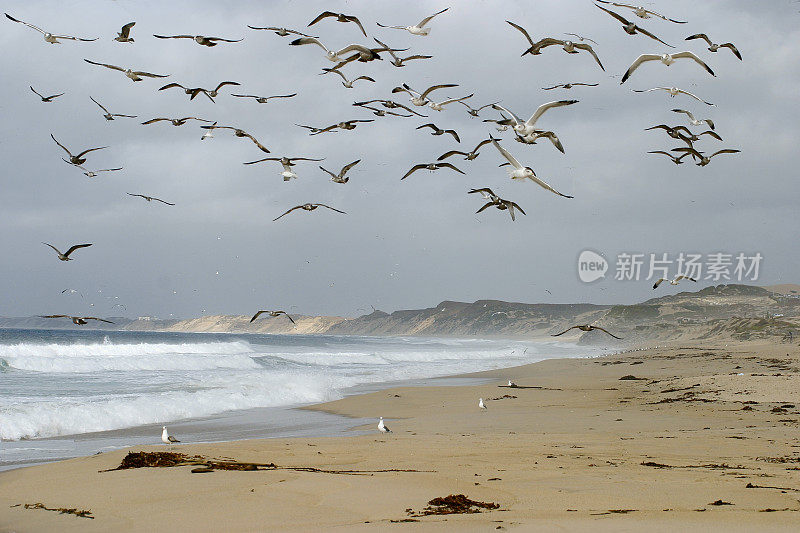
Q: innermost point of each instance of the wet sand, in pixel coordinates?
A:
(573, 448)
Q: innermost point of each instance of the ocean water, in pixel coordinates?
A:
(65, 393)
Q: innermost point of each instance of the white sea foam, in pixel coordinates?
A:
(67, 416)
(99, 357)
(61, 389)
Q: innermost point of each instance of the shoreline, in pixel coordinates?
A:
(311, 425)
(656, 451)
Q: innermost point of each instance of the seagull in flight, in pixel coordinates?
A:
(109, 115)
(398, 61)
(421, 99)
(526, 127)
(675, 159)
(693, 121)
(569, 47)
(199, 39)
(389, 104)
(704, 159)
(468, 156)
(272, 314)
(49, 37)
(66, 255)
(712, 47)
(519, 172)
(581, 37)
(587, 327)
(496, 201)
(46, 99)
(340, 17)
(631, 28)
(431, 167)
(667, 59)
(135, 75)
(283, 32)
(123, 35)
(77, 320)
(419, 28)
(263, 99)
(237, 132)
(94, 173)
(641, 12)
(672, 281)
(340, 177)
(308, 207)
(150, 198)
(347, 83)
(174, 121)
(673, 92)
(287, 163)
(569, 86)
(438, 131)
(76, 159)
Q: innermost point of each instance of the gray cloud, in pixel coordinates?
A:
(402, 244)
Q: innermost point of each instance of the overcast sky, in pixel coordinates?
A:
(402, 244)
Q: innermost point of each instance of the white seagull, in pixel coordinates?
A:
(481, 404)
(382, 427)
(693, 121)
(641, 12)
(519, 172)
(673, 92)
(439, 106)
(667, 59)
(672, 281)
(421, 98)
(166, 438)
(135, 75)
(526, 127)
(347, 83)
(419, 28)
(49, 37)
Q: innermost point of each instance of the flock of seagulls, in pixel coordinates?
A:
(524, 131)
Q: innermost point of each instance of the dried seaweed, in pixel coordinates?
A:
(752, 486)
(203, 465)
(454, 504)
(82, 513)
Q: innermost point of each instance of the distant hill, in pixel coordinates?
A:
(722, 311)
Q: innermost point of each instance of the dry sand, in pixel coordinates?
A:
(573, 449)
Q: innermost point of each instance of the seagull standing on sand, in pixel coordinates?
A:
(511, 384)
(166, 438)
(382, 427)
(481, 404)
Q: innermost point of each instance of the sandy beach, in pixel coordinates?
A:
(698, 436)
